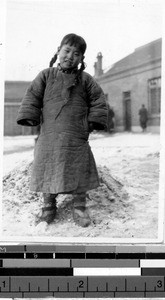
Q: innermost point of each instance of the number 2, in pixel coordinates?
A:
(81, 282)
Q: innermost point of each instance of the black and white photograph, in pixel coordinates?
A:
(83, 154)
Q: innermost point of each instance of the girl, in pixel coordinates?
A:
(68, 104)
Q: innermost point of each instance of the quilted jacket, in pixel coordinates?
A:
(63, 160)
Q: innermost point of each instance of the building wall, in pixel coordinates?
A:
(10, 115)
(14, 91)
(11, 128)
(135, 81)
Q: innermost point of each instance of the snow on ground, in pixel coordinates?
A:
(132, 159)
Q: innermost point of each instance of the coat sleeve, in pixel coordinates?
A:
(98, 111)
(29, 113)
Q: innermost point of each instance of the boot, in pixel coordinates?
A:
(48, 211)
(80, 212)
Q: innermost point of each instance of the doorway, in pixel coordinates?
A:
(127, 111)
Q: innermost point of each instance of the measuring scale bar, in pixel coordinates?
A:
(82, 286)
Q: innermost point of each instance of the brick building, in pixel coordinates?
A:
(131, 82)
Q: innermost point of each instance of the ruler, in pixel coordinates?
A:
(82, 286)
(66, 271)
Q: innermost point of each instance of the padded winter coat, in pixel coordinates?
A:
(63, 161)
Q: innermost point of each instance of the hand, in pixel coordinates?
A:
(91, 127)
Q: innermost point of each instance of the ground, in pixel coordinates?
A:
(124, 206)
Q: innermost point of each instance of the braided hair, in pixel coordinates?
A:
(73, 40)
(53, 60)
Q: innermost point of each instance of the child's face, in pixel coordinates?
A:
(69, 56)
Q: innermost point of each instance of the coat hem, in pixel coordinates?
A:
(78, 190)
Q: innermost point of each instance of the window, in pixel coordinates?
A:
(155, 95)
(126, 95)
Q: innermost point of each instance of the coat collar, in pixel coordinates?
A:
(67, 71)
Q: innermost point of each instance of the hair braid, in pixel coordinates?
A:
(83, 66)
(78, 76)
(53, 60)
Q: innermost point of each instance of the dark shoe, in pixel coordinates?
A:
(81, 216)
(47, 215)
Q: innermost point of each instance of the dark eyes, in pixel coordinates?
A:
(76, 53)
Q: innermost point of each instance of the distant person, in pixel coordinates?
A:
(72, 105)
(110, 122)
(143, 113)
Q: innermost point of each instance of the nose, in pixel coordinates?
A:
(70, 55)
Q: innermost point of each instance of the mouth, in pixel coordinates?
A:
(69, 62)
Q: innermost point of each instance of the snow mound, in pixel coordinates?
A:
(20, 205)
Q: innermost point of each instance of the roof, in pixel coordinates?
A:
(15, 90)
(140, 56)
